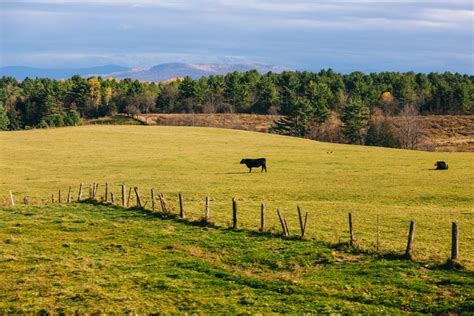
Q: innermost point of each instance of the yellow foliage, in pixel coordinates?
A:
(387, 97)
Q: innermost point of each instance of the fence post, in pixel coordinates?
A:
(123, 194)
(106, 192)
(207, 210)
(377, 244)
(454, 241)
(181, 205)
(283, 227)
(79, 194)
(69, 195)
(262, 217)
(411, 236)
(12, 201)
(52, 197)
(351, 231)
(152, 191)
(139, 201)
(59, 196)
(129, 196)
(234, 213)
(112, 197)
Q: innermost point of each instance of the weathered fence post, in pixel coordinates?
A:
(181, 205)
(59, 196)
(207, 210)
(139, 201)
(129, 196)
(52, 197)
(69, 195)
(284, 227)
(262, 217)
(163, 207)
(351, 232)
(106, 192)
(377, 244)
(93, 190)
(112, 197)
(96, 189)
(454, 241)
(302, 223)
(12, 201)
(152, 191)
(411, 236)
(79, 194)
(234, 213)
(123, 195)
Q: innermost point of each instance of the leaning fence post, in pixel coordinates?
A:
(454, 241)
(411, 236)
(181, 205)
(302, 223)
(351, 232)
(283, 227)
(262, 217)
(234, 213)
(12, 201)
(112, 197)
(139, 201)
(207, 210)
(129, 196)
(106, 192)
(152, 191)
(79, 194)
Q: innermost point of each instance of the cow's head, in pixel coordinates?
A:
(243, 161)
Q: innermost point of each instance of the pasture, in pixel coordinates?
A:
(325, 180)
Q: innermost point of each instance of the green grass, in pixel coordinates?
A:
(93, 259)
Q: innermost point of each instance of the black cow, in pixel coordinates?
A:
(441, 165)
(255, 163)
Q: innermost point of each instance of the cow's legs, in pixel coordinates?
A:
(250, 169)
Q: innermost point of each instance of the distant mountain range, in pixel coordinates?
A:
(156, 73)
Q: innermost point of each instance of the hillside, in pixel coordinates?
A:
(85, 258)
(440, 132)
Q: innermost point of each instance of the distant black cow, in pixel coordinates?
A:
(441, 165)
(255, 163)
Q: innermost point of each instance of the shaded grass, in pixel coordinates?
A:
(98, 258)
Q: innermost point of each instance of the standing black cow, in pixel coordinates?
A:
(255, 163)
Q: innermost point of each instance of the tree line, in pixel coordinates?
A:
(307, 100)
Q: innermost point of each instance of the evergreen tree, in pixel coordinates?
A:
(354, 116)
(4, 121)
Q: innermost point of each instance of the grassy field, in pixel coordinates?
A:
(88, 258)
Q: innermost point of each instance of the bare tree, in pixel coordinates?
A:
(410, 130)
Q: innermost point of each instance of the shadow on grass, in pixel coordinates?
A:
(341, 246)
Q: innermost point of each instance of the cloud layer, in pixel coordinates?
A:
(344, 35)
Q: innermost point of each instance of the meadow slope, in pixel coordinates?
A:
(326, 180)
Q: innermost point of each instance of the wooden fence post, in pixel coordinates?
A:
(411, 236)
(52, 197)
(377, 244)
(282, 222)
(129, 196)
(454, 241)
(207, 210)
(12, 201)
(96, 189)
(79, 194)
(181, 205)
(234, 213)
(262, 217)
(69, 195)
(152, 191)
(93, 191)
(59, 196)
(112, 197)
(139, 201)
(123, 195)
(106, 192)
(351, 232)
(302, 223)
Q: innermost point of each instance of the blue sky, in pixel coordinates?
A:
(344, 35)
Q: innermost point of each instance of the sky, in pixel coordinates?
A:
(357, 35)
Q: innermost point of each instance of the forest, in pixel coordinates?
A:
(305, 99)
